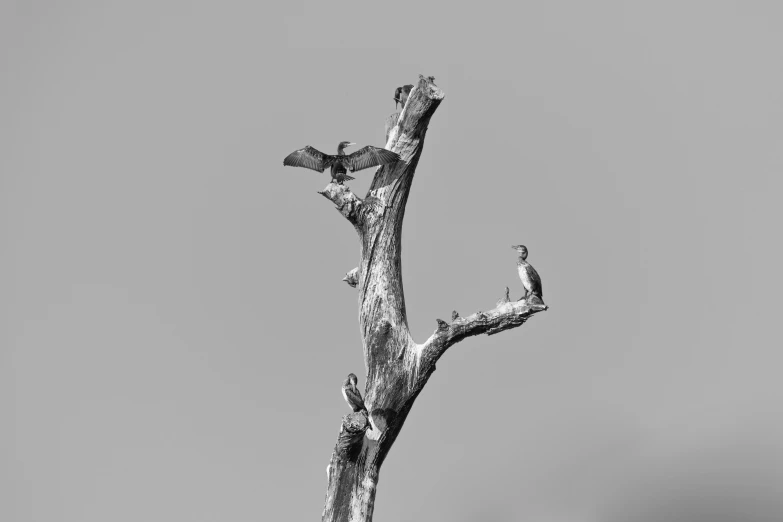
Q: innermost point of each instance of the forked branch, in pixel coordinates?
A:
(505, 316)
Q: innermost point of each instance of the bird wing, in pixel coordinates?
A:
(354, 398)
(370, 156)
(535, 280)
(309, 158)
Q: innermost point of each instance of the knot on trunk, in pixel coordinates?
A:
(352, 277)
(352, 431)
(384, 326)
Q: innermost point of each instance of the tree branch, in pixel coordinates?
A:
(348, 204)
(505, 316)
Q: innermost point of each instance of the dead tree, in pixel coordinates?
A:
(397, 367)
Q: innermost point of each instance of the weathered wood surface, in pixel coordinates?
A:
(391, 122)
(397, 367)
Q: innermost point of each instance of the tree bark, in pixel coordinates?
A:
(391, 122)
(397, 367)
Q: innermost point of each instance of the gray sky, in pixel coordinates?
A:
(174, 331)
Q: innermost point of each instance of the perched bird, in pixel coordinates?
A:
(530, 278)
(401, 95)
(352, 395)
(366, 157)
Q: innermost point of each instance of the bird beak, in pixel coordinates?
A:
(351, 144)
(345, 278)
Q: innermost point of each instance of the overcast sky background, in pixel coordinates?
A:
(174, 331)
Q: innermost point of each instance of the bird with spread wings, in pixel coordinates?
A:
(364, 158)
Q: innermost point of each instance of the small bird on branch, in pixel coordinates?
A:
(364, 158)
(352, 395)
(530, 278)
(401, 95)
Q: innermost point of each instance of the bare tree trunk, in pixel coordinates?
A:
(391, 122)
(397, 367)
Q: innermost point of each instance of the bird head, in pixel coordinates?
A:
(352, 379)
(397, 96)
(522, 250)
(344, 144)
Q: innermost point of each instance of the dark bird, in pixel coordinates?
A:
(530, 278)
(352, 395)
(401, 95)
(364, 158)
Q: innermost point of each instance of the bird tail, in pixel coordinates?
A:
(369, 423)
(347, 177)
